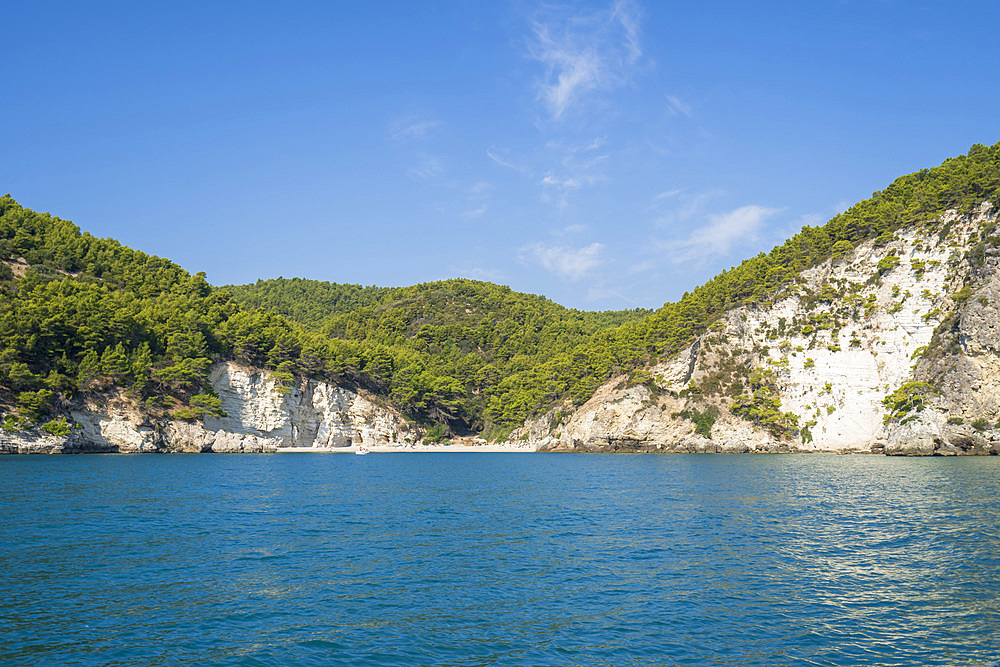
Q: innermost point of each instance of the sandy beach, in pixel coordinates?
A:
(522, 448)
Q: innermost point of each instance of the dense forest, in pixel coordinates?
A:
(523, 381)
(445, 346)
(80, 314)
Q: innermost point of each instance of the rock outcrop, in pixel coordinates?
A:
(260, 416)
(815, 368)
(314, 414)
(923, 307)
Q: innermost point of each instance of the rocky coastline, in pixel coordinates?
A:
(916, 315)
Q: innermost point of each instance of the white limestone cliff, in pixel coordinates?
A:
(315, 414)
(832, 360)
(260, 416)
(847, 333)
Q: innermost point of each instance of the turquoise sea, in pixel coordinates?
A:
(499, 559)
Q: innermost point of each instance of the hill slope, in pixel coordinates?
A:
(453, 340)
(627, 342)
(83, 317)
(889, 347)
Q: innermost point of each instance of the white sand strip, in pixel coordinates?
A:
(520, 448)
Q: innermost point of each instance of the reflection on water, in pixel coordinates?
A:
(467, 559)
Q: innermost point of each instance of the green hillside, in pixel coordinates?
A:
(572, 363)
(91, 315)
(446, 346)
(79, 314)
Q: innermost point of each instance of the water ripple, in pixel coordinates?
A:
(457, 559)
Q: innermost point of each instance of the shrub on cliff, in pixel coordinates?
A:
(58, 426)
(906, 401)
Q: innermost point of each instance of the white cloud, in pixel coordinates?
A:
(578, 168)
(686, 207)
(565, 184)
(474, 213)
(625, 14)
(570, 263)
(584, 53)
(429, 169)
(676, 106)
(723, 231)
(575, 73)
(572, 162)
(569, 229)
(808, 220)
(409, 129)
(642, 267)
(602, 293)
(668, 194)
(505, 162)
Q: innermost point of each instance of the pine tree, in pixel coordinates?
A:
(142, 364)
(114, 362)
(89, 370)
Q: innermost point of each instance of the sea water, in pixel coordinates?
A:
(499, 559)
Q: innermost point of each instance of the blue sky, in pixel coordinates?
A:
(604, 154)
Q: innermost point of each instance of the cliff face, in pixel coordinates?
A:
(892, 346)
(260, 416)
(810, 371)
(316, 414)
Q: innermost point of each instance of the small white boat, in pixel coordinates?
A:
(361, 450)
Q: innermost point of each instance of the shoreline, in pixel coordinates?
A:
(413, 449)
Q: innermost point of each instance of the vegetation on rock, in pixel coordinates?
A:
(83, 315)
(908, 400)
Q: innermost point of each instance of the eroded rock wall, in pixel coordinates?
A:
(848, 333)
(314, 414)
(260, 416)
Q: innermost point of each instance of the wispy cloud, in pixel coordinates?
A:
(580, 157)
(571, 162)
(473, 213)
(675, 106)
(603, 293)
(642, 266)
(504, 161)
(668, 194)
(477, 196)
(565, 184)
(409, 129)
(564, 261)
(723, 231)
(625, 13)
(579, 165)
(430, 168)
(583, 53)
(678, 206)
(794, 226)
(569, 229)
